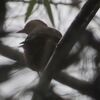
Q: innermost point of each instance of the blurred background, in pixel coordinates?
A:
(15, 76)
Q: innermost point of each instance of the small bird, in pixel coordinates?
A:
(39, 44)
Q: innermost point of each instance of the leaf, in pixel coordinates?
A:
(30, 8)
(49, 11)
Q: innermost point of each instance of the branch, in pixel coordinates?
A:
(80, 85)
(91, 89)
(5, 69)
(12, 53)
(50, 95)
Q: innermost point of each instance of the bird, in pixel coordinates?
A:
(39, 44)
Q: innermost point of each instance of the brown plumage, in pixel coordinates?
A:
(39, 44)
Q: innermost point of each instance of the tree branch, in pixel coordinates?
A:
(12, 53)
(80, 85)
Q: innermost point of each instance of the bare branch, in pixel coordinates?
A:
(83, 87)
(12, 53)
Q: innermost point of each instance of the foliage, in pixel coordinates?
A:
(47, 6)
(30, 8)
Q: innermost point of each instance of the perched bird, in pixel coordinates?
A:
(39, 44)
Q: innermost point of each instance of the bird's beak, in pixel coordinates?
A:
(21, 31)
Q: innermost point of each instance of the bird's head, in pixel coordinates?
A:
(32, 25)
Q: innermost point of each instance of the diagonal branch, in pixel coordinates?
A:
(12, 53)
(83, 87)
